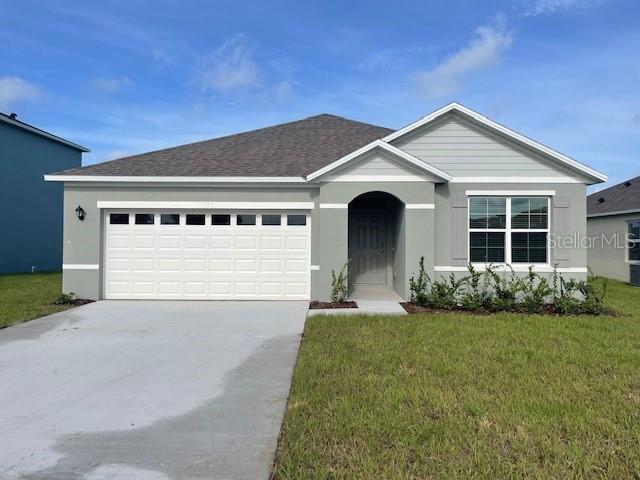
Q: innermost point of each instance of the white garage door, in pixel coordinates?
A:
(206, 255)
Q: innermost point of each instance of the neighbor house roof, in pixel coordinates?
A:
(13, 121)
(619, 199)
(292, 149)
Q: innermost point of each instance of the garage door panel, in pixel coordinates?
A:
(207, 261)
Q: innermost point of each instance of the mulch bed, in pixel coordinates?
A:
(412, 308)
(316, 305)
(79, 301)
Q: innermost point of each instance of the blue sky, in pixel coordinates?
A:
(128, 77)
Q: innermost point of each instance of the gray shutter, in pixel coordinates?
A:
(560, 227)
(459, 230)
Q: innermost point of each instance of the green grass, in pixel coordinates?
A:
(27, 296)
(462, 396)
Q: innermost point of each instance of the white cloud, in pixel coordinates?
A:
(110, 85)
(483, 52)
(14, 89)
(231, 67)
(543, 7)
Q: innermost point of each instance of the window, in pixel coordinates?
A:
(195, 219)
(220, 219)
(508, 230)
(487, 229)
(119, 218)
(169, 219)
(296, 219)
(633, 241)
(271, 219)
(246, 219)
(144, 218)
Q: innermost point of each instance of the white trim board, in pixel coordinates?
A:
(80, 266)
(509, 193)
(477, 117)
(334, 205)
(175, 179)
(516, 268)
(315, 268)
(386, 147)
(420, 206)
(547, 180)
(209, 205)
(618, 212)
(375, 178)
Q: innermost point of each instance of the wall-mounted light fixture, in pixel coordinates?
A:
(80, 213)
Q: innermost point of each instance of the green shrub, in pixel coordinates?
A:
(419, 285)
(496, 292)
(340, 284)
(65, 299)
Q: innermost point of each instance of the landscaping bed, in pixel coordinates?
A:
(317, 305)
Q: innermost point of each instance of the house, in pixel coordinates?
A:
(613, 225)
(31, 237)
(268, 214)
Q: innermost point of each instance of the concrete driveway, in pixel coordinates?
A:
(147, 390)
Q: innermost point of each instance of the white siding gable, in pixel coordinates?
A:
(378, 163)
(461, 149)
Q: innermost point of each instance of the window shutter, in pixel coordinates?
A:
(560, 227)
(459, 229)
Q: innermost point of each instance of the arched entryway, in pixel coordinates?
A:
(375, 245)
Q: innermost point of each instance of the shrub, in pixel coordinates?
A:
(65, 299)
(340, 284)
(494, 291)
(419, 285)
(535, 290)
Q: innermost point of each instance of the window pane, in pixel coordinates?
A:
(537, 221)
(496, 212)
(220, 219)
(119, 218)
(246, 219)
(487, 247)
(144, 218)
(296, 219)
(634, 250)
(529, 213)
(169, 219)
(538, 205)
(478, 212)
(271, 219)
(634, 229)
(195, 219)
(529, 247)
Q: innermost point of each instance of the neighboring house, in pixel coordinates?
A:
(268, 214)
(31, 237)
(613, 226)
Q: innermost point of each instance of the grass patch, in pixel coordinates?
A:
(27, 296)
(454, 395)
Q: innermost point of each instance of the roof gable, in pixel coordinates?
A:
(479, 119)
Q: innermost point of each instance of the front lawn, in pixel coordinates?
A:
(27, 296)
(454, 395)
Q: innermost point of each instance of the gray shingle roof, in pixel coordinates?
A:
(619, 198)
(289, 149)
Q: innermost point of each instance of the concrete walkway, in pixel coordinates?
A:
(147, 390)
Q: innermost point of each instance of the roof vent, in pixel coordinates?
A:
(601, 200)
(627, 183)
(13, 116)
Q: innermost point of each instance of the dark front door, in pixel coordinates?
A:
(367, 246)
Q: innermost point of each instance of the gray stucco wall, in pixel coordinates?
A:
(607, 236)
(83, 240)
(568, 218)
(440, 234)
(32, 208)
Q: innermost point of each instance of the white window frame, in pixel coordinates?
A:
(628, 242)
(508, 231)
